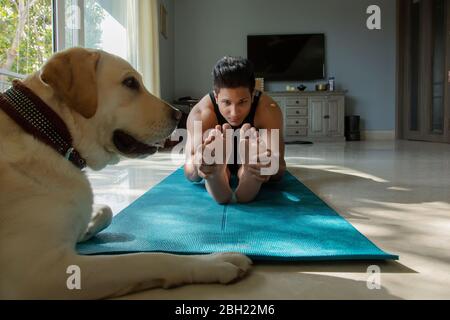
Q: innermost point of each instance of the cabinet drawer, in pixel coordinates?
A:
(297, 122)
(300, 132)
(295, 112)
(294, 102)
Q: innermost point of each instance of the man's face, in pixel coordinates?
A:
(234, 104)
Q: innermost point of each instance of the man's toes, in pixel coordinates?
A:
(244, 129)
(226, 126)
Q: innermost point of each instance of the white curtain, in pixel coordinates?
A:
(144, 41)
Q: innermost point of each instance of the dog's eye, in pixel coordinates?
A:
(131, 83)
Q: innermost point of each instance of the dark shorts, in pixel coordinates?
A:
(234, 168)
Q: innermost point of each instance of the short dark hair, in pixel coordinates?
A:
(234, 72)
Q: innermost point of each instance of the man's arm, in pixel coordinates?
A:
(190, 169)
(269, 116)
(199, 113)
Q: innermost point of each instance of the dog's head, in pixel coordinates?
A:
(114, 113)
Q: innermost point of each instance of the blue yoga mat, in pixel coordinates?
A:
(285, 222)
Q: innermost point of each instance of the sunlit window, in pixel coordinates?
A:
(32, 30)
(99, 24)
(26, 37)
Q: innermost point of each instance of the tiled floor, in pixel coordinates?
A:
(397, 193)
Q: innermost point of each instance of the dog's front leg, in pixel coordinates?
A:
(116, 275)
(101, 218)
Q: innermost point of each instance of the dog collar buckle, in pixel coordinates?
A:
(69, 153)
(73, 156)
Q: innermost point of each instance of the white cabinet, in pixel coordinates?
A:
(312, 116)
(335, 113)
(317, 106)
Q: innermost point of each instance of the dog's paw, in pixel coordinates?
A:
(101, 214)
(220, 268)
(101, 218)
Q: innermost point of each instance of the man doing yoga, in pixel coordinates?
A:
(235, 106)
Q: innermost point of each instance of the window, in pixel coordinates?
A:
(100, 24)
(26, 37)
(31, 30)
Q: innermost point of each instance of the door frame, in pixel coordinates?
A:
(402, 76)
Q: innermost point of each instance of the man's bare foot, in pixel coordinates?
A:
(212, 156)
(249, 174)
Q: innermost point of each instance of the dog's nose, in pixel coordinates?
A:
(176, 114)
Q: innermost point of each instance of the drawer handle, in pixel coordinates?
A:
(297, 112)
(297, 102)
(296, 132)
(326, 117)
(297, 122)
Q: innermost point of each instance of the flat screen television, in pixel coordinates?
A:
(291, 57)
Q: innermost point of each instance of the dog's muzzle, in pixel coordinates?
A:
(128, 145)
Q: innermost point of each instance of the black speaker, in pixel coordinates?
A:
(352, 131)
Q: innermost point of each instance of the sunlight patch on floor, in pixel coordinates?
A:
(344, 171)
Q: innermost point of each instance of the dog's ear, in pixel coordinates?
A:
(72, 75)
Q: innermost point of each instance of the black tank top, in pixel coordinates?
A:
(234, 167)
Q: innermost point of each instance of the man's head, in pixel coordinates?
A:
(231, 72)
(234, 84)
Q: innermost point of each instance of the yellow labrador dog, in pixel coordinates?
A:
(99, 109)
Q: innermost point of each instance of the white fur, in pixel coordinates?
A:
(46, 203)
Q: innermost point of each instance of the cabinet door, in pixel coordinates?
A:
(334, 116)
(281, 101)
(317, 110)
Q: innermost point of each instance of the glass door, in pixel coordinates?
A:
(424, 37)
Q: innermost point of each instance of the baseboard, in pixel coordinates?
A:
(378, 135)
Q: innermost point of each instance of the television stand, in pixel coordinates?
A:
(312, 116)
